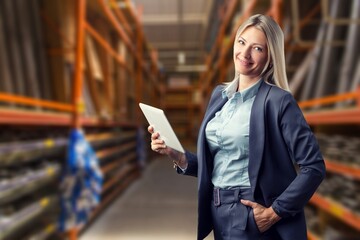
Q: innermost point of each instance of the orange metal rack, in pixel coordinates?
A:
(337, 210)
(76, 107)
(70, 114)
(336, 167)
(335, 116)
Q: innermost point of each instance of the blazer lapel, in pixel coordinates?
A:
(257, 134)
(213, 109)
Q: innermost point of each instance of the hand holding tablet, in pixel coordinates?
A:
(156, 118)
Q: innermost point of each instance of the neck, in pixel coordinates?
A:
(245, 82)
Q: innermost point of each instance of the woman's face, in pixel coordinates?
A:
(250, 52)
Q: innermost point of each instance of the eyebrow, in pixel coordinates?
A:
(253, 43)
(242, 38)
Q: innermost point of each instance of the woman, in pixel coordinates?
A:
(252, 133)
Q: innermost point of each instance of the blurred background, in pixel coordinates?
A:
(75, 159)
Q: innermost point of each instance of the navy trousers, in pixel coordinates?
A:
(234, 221)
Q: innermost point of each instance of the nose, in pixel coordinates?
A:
(246, 52)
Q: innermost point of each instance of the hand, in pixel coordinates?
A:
(159, 146)
(264, 217)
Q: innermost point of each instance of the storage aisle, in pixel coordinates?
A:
(81, 67)
(160, 205)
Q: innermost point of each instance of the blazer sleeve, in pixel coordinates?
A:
(192, 167)
(304, 150)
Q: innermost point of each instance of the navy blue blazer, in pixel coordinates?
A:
(279, 137)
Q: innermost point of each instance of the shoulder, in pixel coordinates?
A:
(277, 91)
(217, 93)
(276, 99)
(278, 95)
(218, 89)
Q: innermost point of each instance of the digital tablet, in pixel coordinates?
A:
(156, 118)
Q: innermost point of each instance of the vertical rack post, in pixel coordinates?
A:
(78, 77)
(139, 71)
(79, 57)
(276, 11)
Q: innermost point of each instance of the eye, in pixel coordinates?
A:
(258, 49)
(241, 42)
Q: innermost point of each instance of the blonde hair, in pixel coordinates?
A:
(274, 71)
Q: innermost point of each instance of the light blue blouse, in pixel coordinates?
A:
(227, 135)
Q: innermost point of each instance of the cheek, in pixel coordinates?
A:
(261, 59)
(261, 62)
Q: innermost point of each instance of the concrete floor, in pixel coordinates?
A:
(161, 205)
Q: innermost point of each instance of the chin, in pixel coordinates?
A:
(243, 72)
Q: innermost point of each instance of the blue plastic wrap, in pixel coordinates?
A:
(81, 182)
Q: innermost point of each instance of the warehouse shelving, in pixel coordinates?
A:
(312, 236)
(27, 172)
(44, 233)
(25, 151)
(29, 117)
(336, 209)
(344, 169)
(110, 167)
(344, 116)
(17, 187)
(114, 136)
(180, 106)
(350, 115)
(26, 215)
(335, 116)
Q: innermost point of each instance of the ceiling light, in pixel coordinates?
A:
(181, 58)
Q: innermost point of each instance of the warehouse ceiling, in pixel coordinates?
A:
(177, 29)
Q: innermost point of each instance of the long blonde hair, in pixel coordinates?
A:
(274, 71)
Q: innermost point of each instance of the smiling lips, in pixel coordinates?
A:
(245, 62)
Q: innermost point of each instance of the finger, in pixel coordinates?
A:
(155, 136)
(248, 203)
(151, 129)
(159, 148)
(157, 142)
(156, 147)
